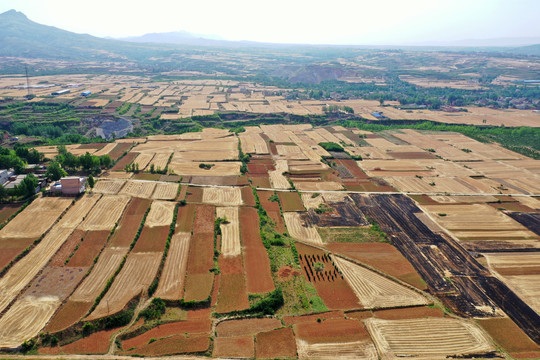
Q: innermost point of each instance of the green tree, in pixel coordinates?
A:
(105, 161)
(91, 181)
(28, 186)
(55, 172)
(3, 193)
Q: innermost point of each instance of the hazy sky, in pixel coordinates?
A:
(294, 21)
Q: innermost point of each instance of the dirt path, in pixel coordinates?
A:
(142, 304)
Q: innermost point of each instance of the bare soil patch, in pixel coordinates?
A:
(164, 330)
(96, 343)
(290, 201)
(231, 328)
(507, 334)
(70, 313)
(232, 293)
(177, 344)
(91, 246)
(204, 219)
(152, 239)
(275, 344)
(234, 347)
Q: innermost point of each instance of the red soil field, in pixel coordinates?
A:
(204, 219)
(331, 287)
(507, 334)
(96, 343)
(152, 239)
(408, 313)
(275, 344)
(290, 201)
(231, 265)
(183, 192)
(352, 167)
(178, 344)
(129, 223)
(194, 194)
(261, 181)
(6, 210)
(244, 327)
(160, 331)
(273, 148)
(232, 293)
(247, 196)
(290, 320)
(126, 160)
(201, 253)
(383, 257)
(185, 217)
(67, 248)
(272, 209)
(92, 146)
(256, 262)
(70, 313)
(118, 150)
(234, 347)
(198, 286)
(10, 248)
(256, 169)
(360, 315)
(90, 247)
(199, 314)
(331, 330)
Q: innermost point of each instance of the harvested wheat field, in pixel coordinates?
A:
(374, 290)
(161, 213)
(105, 186)
(361, 350)
(79, 210)
(136, 275)
(431, 338)
(165, 191)
(277, 179)
(160, 160)
(142, 160)
(171, 283)
(105, 213)
(141, 189)
(224, 196)
(300, 229)
(24, 225)
(230, 231)
(317, 186)
(188, 168)
(25, 319)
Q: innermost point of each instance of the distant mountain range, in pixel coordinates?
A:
(21, 37)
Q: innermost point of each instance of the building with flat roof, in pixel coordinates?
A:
(73, 185)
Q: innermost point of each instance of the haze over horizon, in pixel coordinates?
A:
(387, 22)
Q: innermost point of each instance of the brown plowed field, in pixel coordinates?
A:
(165, 191)
(136, 275)
(24, 225)
(177, 344)
(70, 313)
(161, 213)
(245, 327)
(171, 283)
(11, 247)
(194, 194)
(232, 293)
(230, 231)
(111, 187)
(164, 330)
(105, 213)
(6, 210)
(152, 239)
(260, 181)
(204, 219)
(383, 257)
(129, 223)
(91, 246)
(431, 338)
(291, 320)
(234, 347)
(118, 150)
(142, 189)
(198, 286)
(330, 284)
(275, 344)
(231, 265)
(96, 343)
(256, 262)
(507, 334)
(65, 251)
(247, 196)
(201, 252)
(126, 160)
(290, 201)
(185, 218)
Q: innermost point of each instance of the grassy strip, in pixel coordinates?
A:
(153, 287)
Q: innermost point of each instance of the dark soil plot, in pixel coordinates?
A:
(290, 201)
(152, 239)
(56, 281)
(331, 330)
(201, 253)
(408, 313)
(198, 286)
(507, 334)
(91, 245)
(177, 344)
(126, 160)
(118, 150)
(275, 344)
(254, 168)
(6, 210)
(70, 313)
(96, 343)
(59, 259)
(185, 217)
(247, 196)
(234, 347)
(345, 213)
(291, 320)
(232, 293)
(383, 257)
(146, 176)
(411, 155)
(194, 194)
(204, 219)
(352, 167)
(164, 330)
(170, 178)
(260, 181)
(339, 155)
(343, 172)
(256, 262)
(11, 247)
(328, 281)
(94, 146)
(530, 220)
(129, 223)
(245, 327)
(231, 265)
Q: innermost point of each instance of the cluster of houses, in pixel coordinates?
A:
(70, 185)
